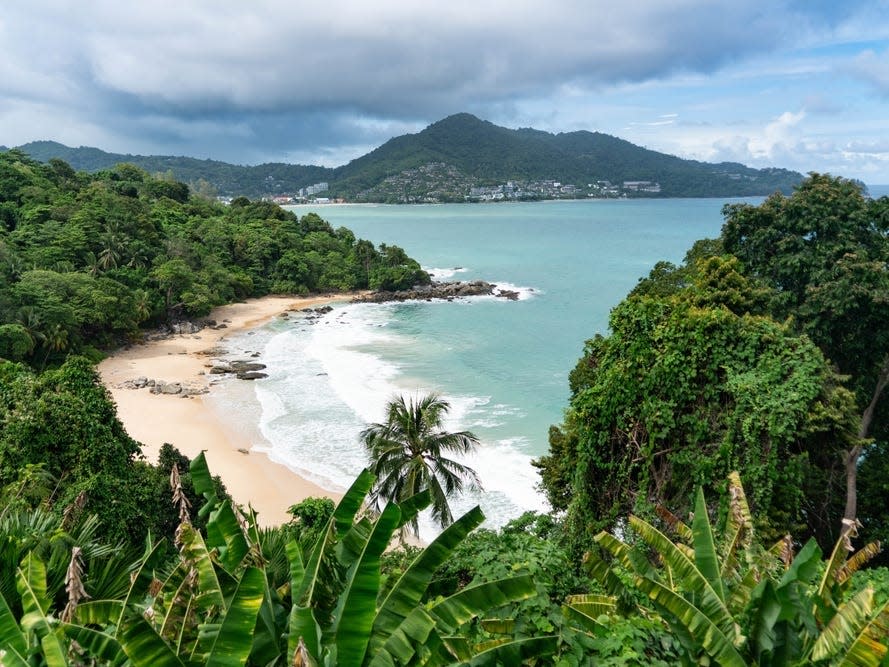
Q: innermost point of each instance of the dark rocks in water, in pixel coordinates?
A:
(440, 290)
(251, 375)
(239, 366)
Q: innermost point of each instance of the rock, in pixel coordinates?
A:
(140, 382)
(251, 375)
(243, 451)
(437, 290)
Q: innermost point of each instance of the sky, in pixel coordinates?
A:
(797, 84)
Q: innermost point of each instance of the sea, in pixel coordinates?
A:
(502, 365)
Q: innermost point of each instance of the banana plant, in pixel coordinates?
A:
(734, 603)
(340, 615)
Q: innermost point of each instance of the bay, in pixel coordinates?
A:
(502, 364)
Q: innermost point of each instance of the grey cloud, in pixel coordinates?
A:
(245, 81)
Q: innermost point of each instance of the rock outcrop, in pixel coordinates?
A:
(441, 290)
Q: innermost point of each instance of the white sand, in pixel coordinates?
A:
(190, 425)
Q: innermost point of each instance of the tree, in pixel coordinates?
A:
(824, 252)
(407, 455)
(684, 390)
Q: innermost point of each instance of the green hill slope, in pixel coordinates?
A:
(449, 158)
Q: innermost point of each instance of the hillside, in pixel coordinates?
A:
(462, 157)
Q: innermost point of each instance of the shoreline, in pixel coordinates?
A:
(192, 426)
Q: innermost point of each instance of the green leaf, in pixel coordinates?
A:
(194, 551)
(11, 636)
(586, 609)
(692, 579)
(454, 611)
(516, 652)
(414, 632)
(143, 646)
(354, 618)
(225, 534)
(99, 612)
(846, 625)
(303, 626)
(705, 547)
(870, 646)
(412, 506)
(699, 625)
(408, 591)
(98, 644)
(203, 483)
(235, 638)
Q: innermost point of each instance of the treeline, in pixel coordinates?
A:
(475, 153)
(88, 259)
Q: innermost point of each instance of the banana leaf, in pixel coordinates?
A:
(515, 652)
(11, 636)
(870, 646)
(143, 646)
(692, 578)
(408, 591)
(203, 484)
(696, 621)
(98, 644)
(454, 611)
(235, 638)
(705, 547)
(354, 617)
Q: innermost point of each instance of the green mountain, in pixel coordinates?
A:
(462, 156)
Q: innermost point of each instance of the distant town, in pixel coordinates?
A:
(437, 183)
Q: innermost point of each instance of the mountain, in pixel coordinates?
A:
(463, 156)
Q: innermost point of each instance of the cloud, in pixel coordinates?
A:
(270, 79)
(873, 68)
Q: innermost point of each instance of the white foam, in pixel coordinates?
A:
(329, 380)
(445, 274)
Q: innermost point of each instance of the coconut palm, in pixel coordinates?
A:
(407, 455)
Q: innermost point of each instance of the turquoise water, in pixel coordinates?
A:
(502, 364)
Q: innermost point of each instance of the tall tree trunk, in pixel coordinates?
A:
(850, 458)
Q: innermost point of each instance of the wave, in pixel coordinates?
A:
(330, 377)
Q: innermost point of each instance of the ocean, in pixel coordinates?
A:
(503, 365)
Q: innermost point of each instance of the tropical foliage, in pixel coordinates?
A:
(219, 602)
(408, 455)
(731, 601)
(685, 382)
(85, 260)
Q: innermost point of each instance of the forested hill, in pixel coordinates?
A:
(462, 157)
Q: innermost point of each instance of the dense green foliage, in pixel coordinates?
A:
(63, 423)
(684, 390)
(85, 260)
(222, 601)
(765, 352)
(473, 152)
(824, 253)
(728, 599)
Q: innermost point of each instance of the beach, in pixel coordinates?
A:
(189, 424)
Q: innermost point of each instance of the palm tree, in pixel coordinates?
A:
(407, 455)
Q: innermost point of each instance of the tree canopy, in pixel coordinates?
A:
(689, 386)
(86, 260)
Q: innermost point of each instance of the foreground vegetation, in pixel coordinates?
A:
(723, 447)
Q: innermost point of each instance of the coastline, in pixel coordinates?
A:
(191, 425)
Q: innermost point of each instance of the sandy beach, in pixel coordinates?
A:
(189, 424)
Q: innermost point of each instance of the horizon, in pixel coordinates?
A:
(794, 85)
